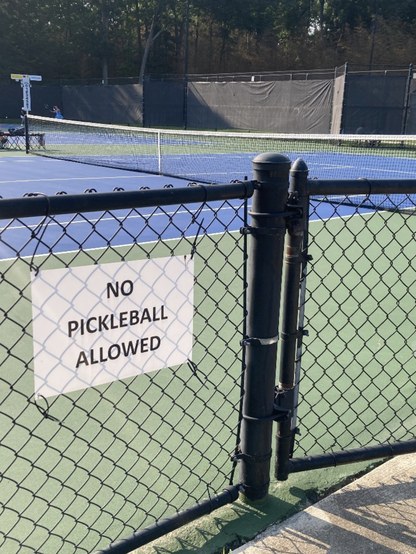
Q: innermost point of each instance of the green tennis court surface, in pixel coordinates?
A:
(358, 380)
(87, 467)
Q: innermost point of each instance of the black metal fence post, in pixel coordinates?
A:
(263, 300)
(27, 139)
(286, 396)
(407, 100)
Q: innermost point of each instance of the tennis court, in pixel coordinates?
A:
(21, 175)
(221, 157)
(98, 464)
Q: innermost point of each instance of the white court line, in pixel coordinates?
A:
(29, 158)
(381, 170)
(79, 179)
(328, 166)
(19, 161)
(347, 216)
(91, 221)
(29, 256)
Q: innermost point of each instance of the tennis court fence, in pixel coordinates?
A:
(152, 341)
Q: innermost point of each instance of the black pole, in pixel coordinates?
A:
(267, 233)
(290, 332)
(41, 204)
(144, 122)
(165, 526)
(407, 100)
(345, 187)
(366, 453)
(27, 140)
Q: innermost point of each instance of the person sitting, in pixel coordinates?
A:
(3, 140)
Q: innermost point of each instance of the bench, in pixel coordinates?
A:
(18, 142)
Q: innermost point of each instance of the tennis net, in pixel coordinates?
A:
(214, 157)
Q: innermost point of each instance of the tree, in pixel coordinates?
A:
(152, 35)
(73, 39)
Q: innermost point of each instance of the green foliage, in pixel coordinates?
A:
(73, 39)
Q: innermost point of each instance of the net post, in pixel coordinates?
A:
(27, 138)
(267, 234)
(291, 328)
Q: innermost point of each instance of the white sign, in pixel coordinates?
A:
(27, 104)
(25, 84)
(19, 77)
(97, 324)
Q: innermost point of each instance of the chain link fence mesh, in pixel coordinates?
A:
(84, 468)
(358, 380)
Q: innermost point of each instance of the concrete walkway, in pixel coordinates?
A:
(375, 514)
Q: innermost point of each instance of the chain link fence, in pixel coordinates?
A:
(358, 380)
(88, 460)
(346, 369)
(139, 348)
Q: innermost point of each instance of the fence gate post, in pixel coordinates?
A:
(291, 334)
(267, 232)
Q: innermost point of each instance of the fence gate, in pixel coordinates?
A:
(347, 368)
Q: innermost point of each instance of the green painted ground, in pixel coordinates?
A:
(358, 384)
(238, 523)
(6, 152)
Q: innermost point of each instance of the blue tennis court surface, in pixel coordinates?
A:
(322, 165)
(22, 175)
(219, 168)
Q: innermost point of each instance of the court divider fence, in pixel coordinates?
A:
(107, 461)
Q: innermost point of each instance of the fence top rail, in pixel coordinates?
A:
(40, 204)
(344, 187)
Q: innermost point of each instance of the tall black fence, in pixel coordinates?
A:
(346, 100)
(143, 361)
